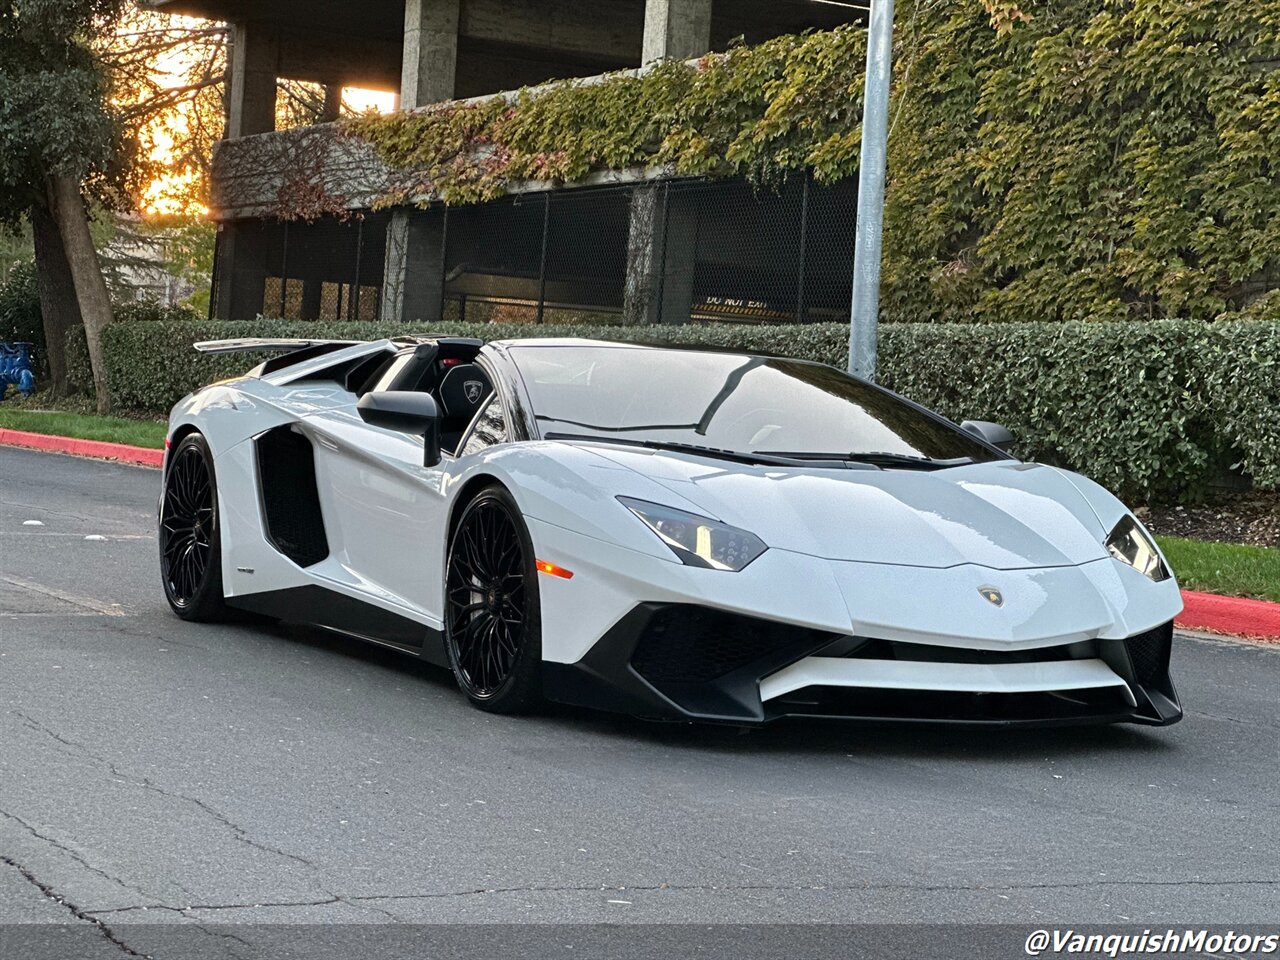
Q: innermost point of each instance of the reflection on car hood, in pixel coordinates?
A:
(1004, 515)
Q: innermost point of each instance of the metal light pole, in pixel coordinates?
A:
(870, 232)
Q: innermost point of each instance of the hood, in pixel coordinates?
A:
(1004, 515)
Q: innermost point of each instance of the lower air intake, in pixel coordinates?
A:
(687, 644)
(1149, 654)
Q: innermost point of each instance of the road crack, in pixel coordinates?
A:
(53, 896)
(1226, 719)
(240, 833)
(69, 851)
(352, 900)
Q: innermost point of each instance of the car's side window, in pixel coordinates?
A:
(488, 429)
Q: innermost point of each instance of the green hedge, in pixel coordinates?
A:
(1152, 410)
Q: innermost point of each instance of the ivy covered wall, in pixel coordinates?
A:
(757, 112)
(1052, 160)
(1087, 160)
(1104, 159)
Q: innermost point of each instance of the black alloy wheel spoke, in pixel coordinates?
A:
(486, 610)
(186, 525)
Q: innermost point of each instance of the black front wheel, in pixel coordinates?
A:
(190, 551)
(493, 626)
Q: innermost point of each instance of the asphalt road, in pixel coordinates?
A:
(155, 771)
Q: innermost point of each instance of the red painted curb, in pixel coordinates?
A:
(1233, 615)
(142, 456)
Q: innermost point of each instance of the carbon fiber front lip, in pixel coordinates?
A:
(606, 679)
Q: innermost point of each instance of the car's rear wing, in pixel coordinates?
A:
(267, 345)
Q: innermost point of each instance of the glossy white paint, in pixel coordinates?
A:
(610, 579)
(1060, 675)
(1004, 515)
(384, 509)
(894, 554)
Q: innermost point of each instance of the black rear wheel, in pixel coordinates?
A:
(492, 617)
(190, 552)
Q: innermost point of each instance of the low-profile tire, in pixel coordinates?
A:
(493, 621)
(190, 534)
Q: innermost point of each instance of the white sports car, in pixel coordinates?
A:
(666, 532)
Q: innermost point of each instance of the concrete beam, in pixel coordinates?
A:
(248, 175)
(486, 67)
(253, 69)
(605, 29)
(430, 66)
(680, 29)
(326, 57)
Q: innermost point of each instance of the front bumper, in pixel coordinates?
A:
(690, 662)
(636, 634)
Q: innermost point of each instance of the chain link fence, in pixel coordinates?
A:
(670, 251)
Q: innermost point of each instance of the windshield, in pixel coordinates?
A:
(729, 402)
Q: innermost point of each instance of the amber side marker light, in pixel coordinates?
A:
(552, 570)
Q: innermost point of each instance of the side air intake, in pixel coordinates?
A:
(290, 499)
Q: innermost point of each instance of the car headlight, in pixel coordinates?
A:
(1130, 544)
(698, 541)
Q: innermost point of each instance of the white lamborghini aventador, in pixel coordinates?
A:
(672, 533)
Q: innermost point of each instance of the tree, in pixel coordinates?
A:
(167, 75)
(59, 308)
(58, 136)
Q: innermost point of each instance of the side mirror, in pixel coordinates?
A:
(406, 411)
(995, 434)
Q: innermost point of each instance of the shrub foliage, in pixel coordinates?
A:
(1097, 161)
(1152, 410)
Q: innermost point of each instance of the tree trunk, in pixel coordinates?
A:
(91, 288)
(58, 307)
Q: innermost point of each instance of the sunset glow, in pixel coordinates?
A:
(358, 100)
(170, 193)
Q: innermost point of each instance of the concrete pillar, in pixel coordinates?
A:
(679, 262)
(242, 273)
(332, 108)
(430, 52)
(662, 247)
(680, 29)
(255, 63)
(413, 281)
(644, 258)
(312, 299)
